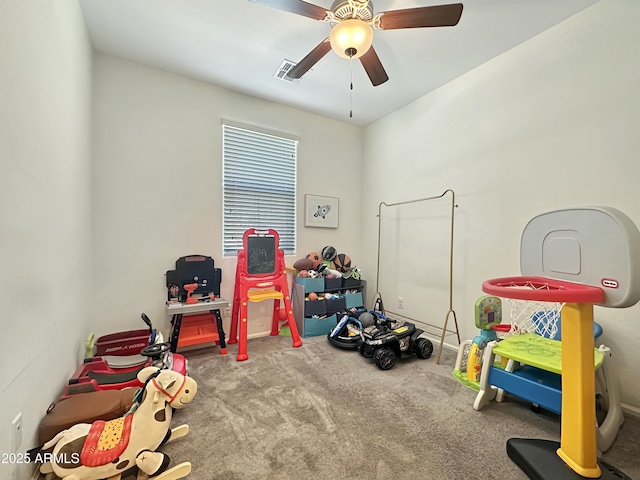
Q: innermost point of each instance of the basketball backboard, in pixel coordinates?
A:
(488, 312)
(596, 246)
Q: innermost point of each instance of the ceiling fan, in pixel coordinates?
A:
(353, 22)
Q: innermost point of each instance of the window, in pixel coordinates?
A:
(258, 185)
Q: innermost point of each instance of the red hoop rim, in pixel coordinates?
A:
(546, 290)
(501, 327)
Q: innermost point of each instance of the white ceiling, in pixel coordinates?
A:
(239, 45)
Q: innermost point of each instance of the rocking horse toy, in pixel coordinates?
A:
(112, 450)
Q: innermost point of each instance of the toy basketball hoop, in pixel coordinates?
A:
(571, 260)
(535, 302)
(542, 289)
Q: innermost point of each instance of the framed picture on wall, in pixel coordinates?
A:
(320, 211)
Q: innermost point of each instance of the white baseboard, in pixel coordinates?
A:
(450, 346)
(630, 409)
(258, 335)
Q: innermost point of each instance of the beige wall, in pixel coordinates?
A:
(157, 189)
(551, 124)
(45, 201)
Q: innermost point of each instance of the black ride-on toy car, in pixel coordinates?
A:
(348, 330)
(389, 339)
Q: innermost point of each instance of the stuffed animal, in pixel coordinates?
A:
(354, 273)
(332, 273)
(106, 450)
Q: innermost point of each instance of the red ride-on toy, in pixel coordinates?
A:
(123, 349)
(97, 373)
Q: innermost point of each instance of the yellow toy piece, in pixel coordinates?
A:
(473, 363)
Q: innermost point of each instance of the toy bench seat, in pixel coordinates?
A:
(265, 294)
(537, 351)
(534, 361)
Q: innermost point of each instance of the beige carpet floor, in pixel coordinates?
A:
(317, 412)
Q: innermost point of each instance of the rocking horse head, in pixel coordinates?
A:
(168, 386)
(107, 449)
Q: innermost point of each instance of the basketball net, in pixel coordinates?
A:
(533, 316)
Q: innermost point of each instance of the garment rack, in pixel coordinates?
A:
(443, 330)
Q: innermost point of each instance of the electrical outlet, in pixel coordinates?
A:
(400, 303)
(16, 433)
(226, 312)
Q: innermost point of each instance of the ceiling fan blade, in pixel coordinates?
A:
(311, 59)
(373, 67)
(296, 6)
(436, 16)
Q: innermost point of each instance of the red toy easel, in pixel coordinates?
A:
(260, 275)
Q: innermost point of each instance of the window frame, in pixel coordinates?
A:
(273, 157)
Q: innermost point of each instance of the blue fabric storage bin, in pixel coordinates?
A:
(311, 284)
(314, 327)
(353, 300)
(335, 305)
(315, 307)
(351, 283)
(332, 284)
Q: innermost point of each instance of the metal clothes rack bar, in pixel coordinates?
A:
(442, 330)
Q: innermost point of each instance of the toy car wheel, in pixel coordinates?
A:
(424, 348)
(385, 358)
(156, 350)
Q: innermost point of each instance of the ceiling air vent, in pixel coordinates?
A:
(284, 67)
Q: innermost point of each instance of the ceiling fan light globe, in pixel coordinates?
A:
(349, 36)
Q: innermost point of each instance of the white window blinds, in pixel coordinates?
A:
(259, 186)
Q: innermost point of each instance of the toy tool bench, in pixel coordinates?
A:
(194, 293)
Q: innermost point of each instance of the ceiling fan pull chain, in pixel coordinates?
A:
(351, 87)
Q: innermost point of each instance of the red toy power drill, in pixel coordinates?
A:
(190, 288)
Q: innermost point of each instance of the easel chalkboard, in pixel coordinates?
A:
(261, 255)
